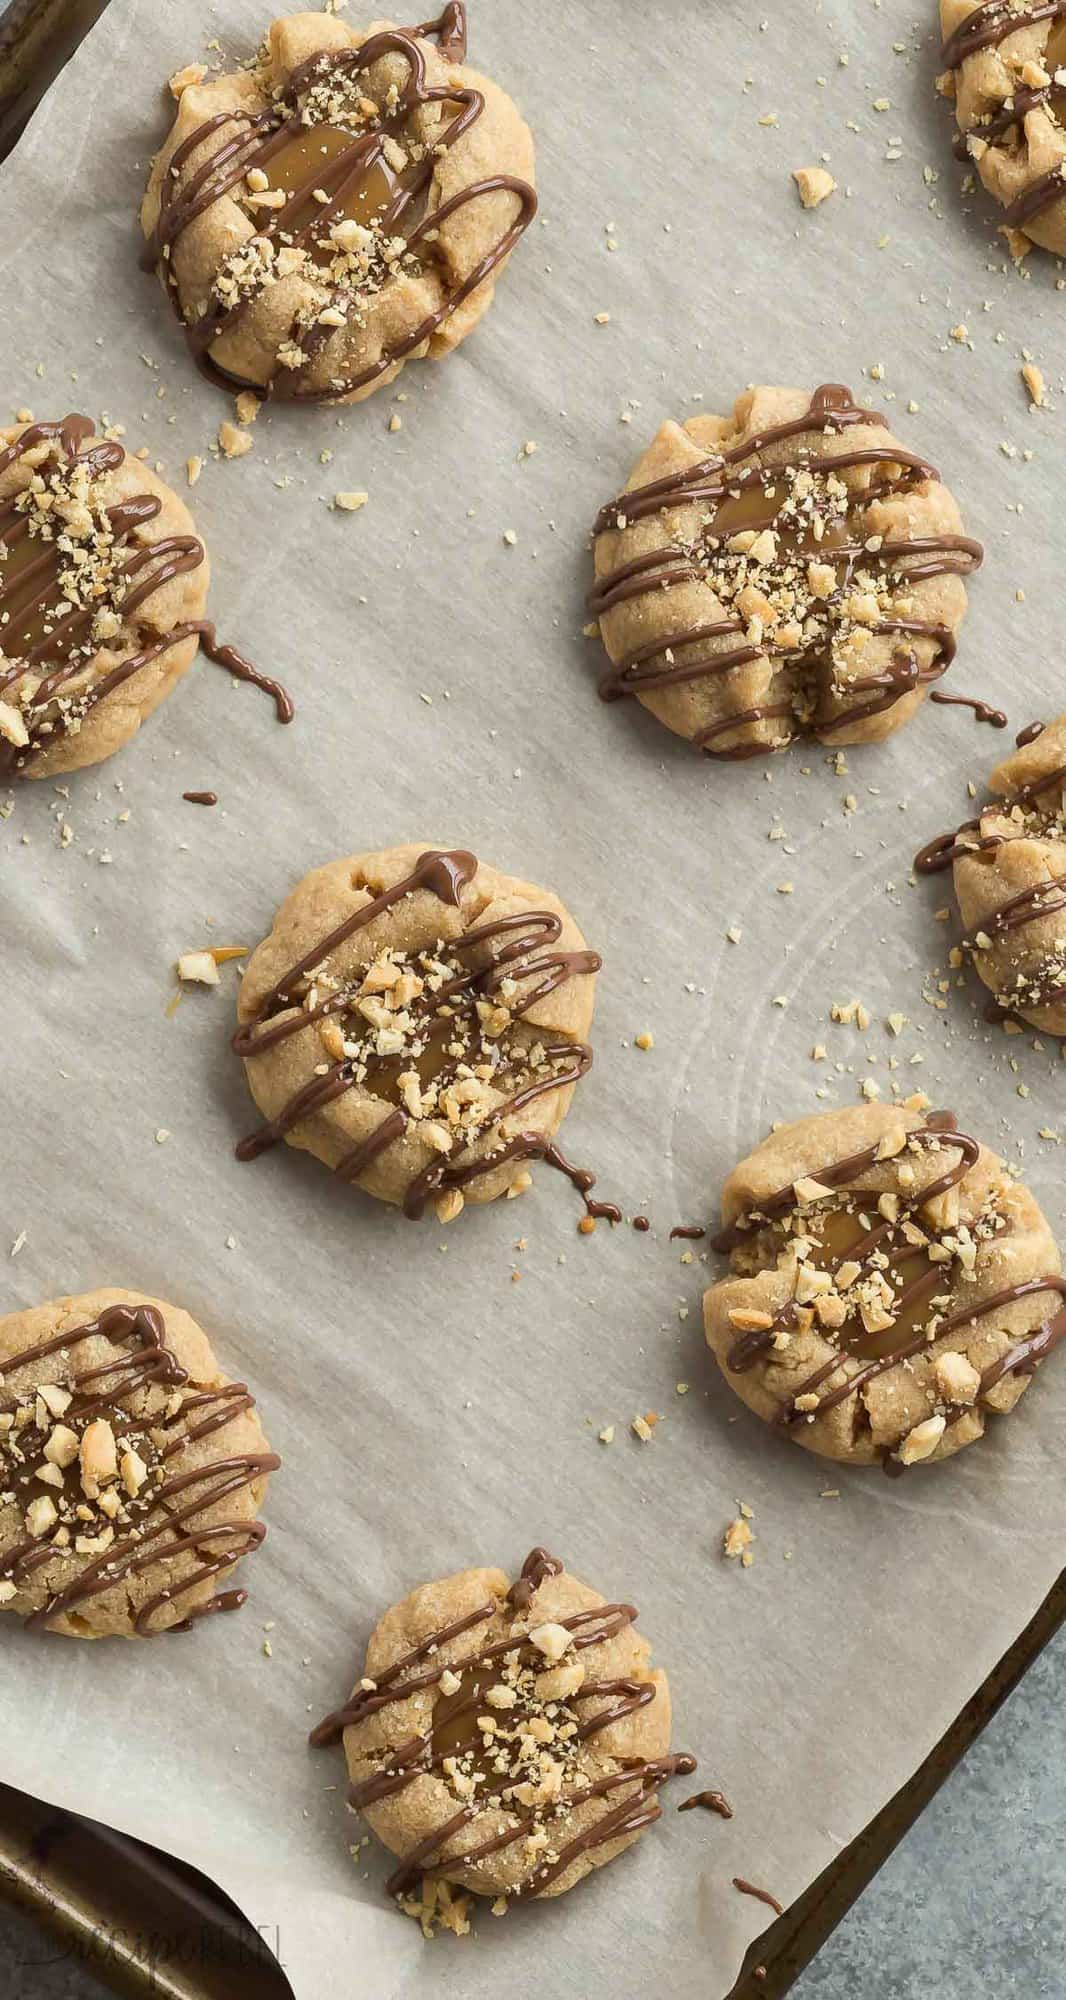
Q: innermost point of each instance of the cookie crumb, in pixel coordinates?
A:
(233, 442)
(737, 1541)
(815, 185)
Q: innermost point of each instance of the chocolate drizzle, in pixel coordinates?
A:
(878, 1239)
(981, 710)
(637, 1778)
(521, 949)
(169, 1512)
(991, 23)
(715, 1802)
(761, 1895)
(713, 482)
(1043, 898)
(47, 637)
(250, 140)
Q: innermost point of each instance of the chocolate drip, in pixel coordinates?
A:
(750, 1346)
(715, 1802)
(201, 798)
(183, 1528)
(243, 670)
(421, 1755)
(761, 1895)
(691, 1232)
(253, 139)
(713, 481)
(58, 643)
(992, 23)
(981, 710)
(1029, 734)
(445, 875)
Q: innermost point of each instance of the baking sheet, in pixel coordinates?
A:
(431, 1411)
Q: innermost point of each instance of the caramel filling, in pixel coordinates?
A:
(324, 159)
(864, 1239)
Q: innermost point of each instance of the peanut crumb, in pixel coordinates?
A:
(233, 442)
(814, 184)
(737, 1539)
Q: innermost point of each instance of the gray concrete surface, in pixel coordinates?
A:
(972, 1905)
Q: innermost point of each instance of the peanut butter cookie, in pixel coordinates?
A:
(893, 1285)
(505, 1738)
(342, 208)
(1004, 68)
(788, 571)
(103, 583)
(417, 1020)
(131, 1470)
(1009, 866)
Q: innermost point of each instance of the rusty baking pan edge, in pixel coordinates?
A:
(144, 1923)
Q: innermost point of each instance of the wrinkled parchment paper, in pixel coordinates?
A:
(432, 1412)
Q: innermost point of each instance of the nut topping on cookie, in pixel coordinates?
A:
(482, 1767)
(94, 551)
(884, 1320)
(1009, 867)
(1005, 62)
(347, 205)
(803, 578)
(452, 1009)
(133, 1483)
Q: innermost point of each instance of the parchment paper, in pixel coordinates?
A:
(432, 1412)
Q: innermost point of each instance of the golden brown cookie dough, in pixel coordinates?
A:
(1005, 64)
(345, 206)
(131, 1470)
(787, 571)
(418, 1020)
(505, 1738)
(103, 583)
(893, 1285)
(1009, 866)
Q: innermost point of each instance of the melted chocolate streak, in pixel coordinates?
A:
(150, 565)
(102, 1389)
(267, 132)
(1043, 899)
(444, 874)
(419, 1754)
(1022, 1358)
(985, 28)
(713, 481)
